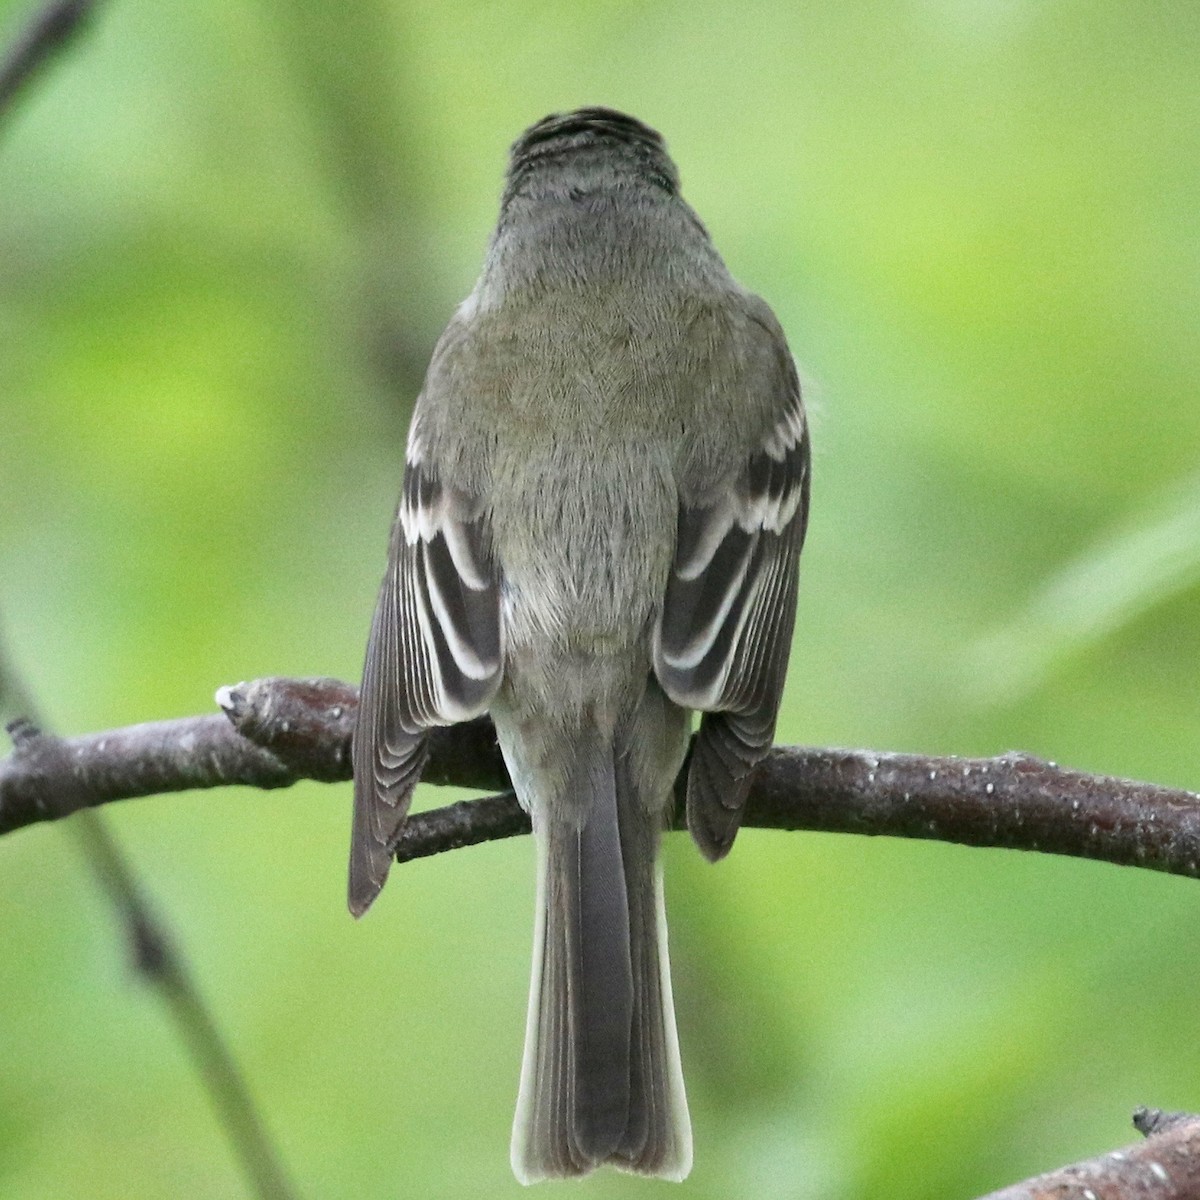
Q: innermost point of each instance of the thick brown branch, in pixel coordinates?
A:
(282, 730)
(1166, 1166)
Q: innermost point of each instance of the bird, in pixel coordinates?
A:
(605, 496)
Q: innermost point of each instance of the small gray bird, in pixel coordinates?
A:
(605, 497)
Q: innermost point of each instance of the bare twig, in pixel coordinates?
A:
(50, 29)
(158, 959)
(281, 730)
(154, 953)
(1166, 1166)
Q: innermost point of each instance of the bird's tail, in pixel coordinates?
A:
(601, 1080)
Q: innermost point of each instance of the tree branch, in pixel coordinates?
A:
(157, 957)
(1166, 1166)
(281, 730)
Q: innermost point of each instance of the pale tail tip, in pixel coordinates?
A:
(670, 1174)
(530, 1167)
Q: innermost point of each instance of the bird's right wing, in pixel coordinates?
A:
(725, 632)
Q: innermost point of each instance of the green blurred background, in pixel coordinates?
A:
(229, 235)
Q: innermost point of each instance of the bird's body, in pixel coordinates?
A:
(604, 503)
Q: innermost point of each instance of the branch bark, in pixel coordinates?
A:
(1166, 1166)
(277, 731)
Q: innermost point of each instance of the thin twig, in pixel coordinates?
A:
(1166, 1166)
(154, 952)
(158, 959)
(47, 32)
(282, 730)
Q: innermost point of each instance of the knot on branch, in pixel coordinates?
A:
(51, 782)
(1151, 1121)
(305, 723)
(23, 732)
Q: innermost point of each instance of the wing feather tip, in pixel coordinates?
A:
(713, 826)
(711, 847)
(362, 893)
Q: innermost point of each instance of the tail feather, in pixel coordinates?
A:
(600, 999)
(659, 1136)
(601, 1080)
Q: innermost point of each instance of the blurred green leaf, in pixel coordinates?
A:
(1109, 586)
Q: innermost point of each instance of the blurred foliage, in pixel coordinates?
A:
(229, 234)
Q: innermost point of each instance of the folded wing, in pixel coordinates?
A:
(726, 627)
(433, 658)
